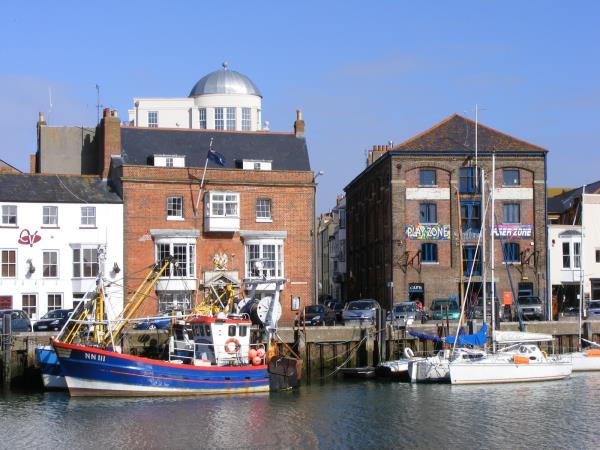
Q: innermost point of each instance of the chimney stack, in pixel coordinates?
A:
(110, 133)
(299, 125)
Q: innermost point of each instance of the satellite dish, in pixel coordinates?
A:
(265, 305)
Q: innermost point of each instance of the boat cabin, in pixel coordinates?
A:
(223, 340)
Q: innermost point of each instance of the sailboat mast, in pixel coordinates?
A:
(492, 253)
(484, 256)
(581, 271)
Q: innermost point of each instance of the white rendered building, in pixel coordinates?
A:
(54, 233)
(573, 256)
(222, 100)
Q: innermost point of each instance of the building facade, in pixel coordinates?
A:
(331, 247)
(57, 234)
(415, 217)
(574, 248)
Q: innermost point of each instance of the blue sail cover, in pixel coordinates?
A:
(476, 340)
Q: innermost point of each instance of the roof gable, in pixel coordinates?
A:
(458, 133)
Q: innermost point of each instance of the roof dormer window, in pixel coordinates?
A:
(169, 161)
(253, 164)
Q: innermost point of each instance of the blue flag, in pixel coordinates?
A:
(216, 157)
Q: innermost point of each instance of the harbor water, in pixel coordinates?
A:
(361, 415)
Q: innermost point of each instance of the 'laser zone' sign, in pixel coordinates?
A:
(514, 231)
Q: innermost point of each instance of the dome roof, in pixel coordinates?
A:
(225, 81)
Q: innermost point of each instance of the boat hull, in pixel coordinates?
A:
(487, 372)
(52, 375)
(91, 371)
(582, 361)
(428, 370)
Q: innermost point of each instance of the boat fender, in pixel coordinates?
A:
(256, 361)
(232, 345)
(261, 352)
(252, 354)
(408, 353)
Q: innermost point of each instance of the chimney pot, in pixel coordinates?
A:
(114, 113)
(106, 112)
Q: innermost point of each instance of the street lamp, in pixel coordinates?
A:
(314, 250)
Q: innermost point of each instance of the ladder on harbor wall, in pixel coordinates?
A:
(6, 349)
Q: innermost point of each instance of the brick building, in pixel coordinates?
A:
(403, 216)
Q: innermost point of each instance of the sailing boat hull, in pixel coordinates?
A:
(490, 371)
(584, 361)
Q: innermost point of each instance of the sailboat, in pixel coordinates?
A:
(584, 359)
(521, 359)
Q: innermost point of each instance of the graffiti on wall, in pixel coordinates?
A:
(423, 232)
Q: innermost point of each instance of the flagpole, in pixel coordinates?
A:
(203, 176)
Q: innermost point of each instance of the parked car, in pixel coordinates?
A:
(360, 310)
(406, 313)
(442, 308)
(531, 308)
(154, 323)
(593, 309)
(338, 309)
(478, 308)
(53, 320)
(316, 315)
(19, 320)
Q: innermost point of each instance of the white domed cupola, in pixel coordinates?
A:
(225, 81)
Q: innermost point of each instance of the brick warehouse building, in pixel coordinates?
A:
(257, 207)
(403, 216)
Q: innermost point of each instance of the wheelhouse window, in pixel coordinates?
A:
(428, 213)
(511, 177)
(264, 259)
(85, 262)
(224, 204)
(88, 216)
(467, 181)
(8, 263)
(50, 264)
(174, 208)
(427, 177)
(263, 210)
(153, 119)
(429, 253)
(54, 302)
(202, 118)
(29, 302)
(219, 119)
(511, 213)
(246, 119)
(470, 216)
(50, 216)
(511, 252)
(471, 260)
(184, 259)
(9, 215)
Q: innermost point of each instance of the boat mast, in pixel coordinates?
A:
(492, 253)
(581, 271)
(483, 249)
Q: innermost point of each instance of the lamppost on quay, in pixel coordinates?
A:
(314, 236)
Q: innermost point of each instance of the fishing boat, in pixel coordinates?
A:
(52, 375)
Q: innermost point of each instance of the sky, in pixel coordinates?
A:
(363, 73)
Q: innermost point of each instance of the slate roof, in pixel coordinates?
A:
(458, 133)
(285, 150)
(55, 189)
(565, 201)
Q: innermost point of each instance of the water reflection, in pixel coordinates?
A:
(334, 415)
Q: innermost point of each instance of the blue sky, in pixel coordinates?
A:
(363, 73)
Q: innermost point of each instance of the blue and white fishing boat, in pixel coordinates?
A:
(52, 375)
(207, 355)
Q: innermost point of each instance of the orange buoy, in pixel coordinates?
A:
(260, 353)
(256, 361)
(252, 354)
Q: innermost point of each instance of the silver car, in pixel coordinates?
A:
(404, 313)
(362, 310)
(593, 310)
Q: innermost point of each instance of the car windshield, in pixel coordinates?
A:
(360, 305)
(57, 314)
(405, 307)
(595, 304)
(529, 301)
(314, 309)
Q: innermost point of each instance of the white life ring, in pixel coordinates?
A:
(232, 345)
(408, 353)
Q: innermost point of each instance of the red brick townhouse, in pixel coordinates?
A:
(251, 221)
(408, 209)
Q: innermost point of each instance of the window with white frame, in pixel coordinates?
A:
(169, 301)
(168, 161)
(88, 216)
(153, 119)
(174, 208)
(577, 254)
(202, 118)
(184, 258)
(54, 302)
(224, 204)
(246, 119)
(29, 302)
(50, 264)
(50, 216)
(9, 215)
(219, 118)
(85, 262)
(263, 210)
(264, 258)
(231, 125)
(8, 263)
